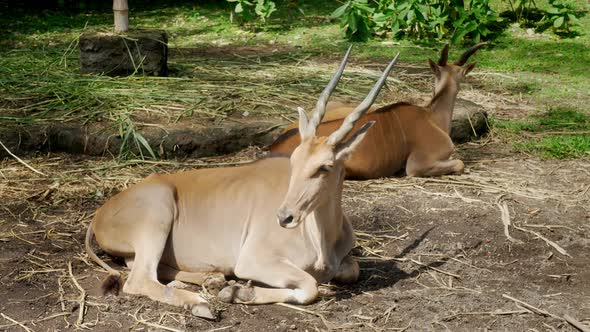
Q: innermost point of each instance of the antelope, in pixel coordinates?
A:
(277, 222)
(406, 136)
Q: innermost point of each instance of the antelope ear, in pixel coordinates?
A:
(303, 123)
(434, 67)
(344, 149)
(468, 68)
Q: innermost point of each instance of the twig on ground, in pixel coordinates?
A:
(33, 321)
(435, 269)
(576, 323)
(401, 329)
(220, 328)
(549, 242)
(549, 327)
(485, 313)
(531, 307)
(21, 161)
(466, 199)
(16, 322)
(506, 221)
(61, 294)
(81, 300)
(158, 326)
(328, 325)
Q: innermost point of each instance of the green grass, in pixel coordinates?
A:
(560, 133)
(39, 79)
(558, 147)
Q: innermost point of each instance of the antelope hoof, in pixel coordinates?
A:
(235, 293)
(214, 284)
(176, 284)
(202, 310)
(460, 168)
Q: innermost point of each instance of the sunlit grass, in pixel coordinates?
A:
(558, 133)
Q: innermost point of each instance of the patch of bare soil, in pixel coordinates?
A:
(434, 253)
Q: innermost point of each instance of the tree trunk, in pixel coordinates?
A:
(121, 11)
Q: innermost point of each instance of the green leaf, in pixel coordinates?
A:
(362, 6)
(146, 145)
(558, 22)
(239, 8)
(380, 19)
(411, 16)
(340, 10)
(352, 24)
(552, 10)
(572, 17)
(395, 27)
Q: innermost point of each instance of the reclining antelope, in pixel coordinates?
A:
(203, 225)
(405, 136)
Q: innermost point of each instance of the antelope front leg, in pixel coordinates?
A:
(149, 241)
(420, 164)
(436, 168)
(293, 285)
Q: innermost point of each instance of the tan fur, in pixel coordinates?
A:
(277, 221)
(405, 137)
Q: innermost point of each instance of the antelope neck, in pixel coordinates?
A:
(323, 226)
(443, 103)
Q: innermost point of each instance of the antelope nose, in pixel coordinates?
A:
(284, 218)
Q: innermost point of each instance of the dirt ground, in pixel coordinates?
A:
(433, 252)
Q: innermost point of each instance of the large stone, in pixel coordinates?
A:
(137, 51)
(469, 121)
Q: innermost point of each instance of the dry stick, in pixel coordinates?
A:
(506, 221)
(549, 242)
(576, 323)
(485, 313)
(158, 326)
(324, 320)
(20, 160)
(531, 308)
(16, 322)
(38, 320)
(221, 328)
(82, 300)
(435, 269)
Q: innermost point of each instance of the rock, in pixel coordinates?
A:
(139, 50)
(469, 121)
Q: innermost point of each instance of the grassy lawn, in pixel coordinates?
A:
(39, 80)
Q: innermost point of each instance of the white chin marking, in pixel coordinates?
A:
(291, 225)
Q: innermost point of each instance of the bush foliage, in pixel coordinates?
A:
(455, 20)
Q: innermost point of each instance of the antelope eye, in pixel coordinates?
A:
(324, 169)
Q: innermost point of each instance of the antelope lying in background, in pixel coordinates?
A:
(405, 136)
(203, 225)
